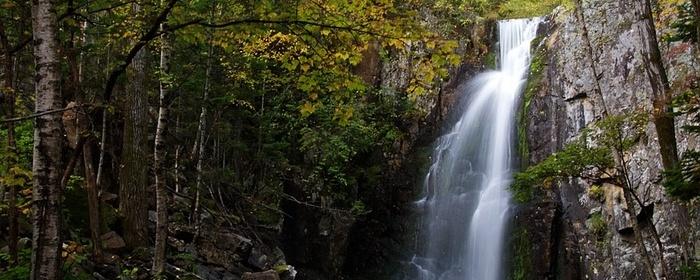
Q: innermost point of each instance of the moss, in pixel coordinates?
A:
(490, 60)
(534, 81)
(522, 261)
(266, 215)
(597, 226)
(533, 85)
(596, 192)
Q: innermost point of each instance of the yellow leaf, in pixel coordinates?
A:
(8, 5)
(307, 109)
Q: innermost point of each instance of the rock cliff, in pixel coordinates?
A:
(587, 62)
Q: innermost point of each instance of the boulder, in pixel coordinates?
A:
(224, 249)
(111, 241)
(265, 275)
(258, 259)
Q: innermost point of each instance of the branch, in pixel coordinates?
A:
(203, 23)
(143, 41)
(73, 161)
(154, 32)
(329, 209)
(39, 114)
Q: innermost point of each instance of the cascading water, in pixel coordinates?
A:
(467, 200)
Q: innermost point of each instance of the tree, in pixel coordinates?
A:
(696, 9)
(133, 175)
(11, 153)
(46, 166)
(661, 92)
(159, 157)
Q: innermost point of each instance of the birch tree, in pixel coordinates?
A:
(46, 165)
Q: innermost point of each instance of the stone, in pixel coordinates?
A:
(571, 97)
(107, 196)
(258, 259)
(111, 241)
(265, 275)
(224, 249)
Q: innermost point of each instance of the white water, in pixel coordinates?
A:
(467, 200)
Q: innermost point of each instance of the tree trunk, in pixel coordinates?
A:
(11, 152)
(178, 147)
(46, 165)
(133, 179)
(93, 200)
(200, 131)
(638, 237)
(696, 8)
(159, 157)
(662, 117)
(661, 92)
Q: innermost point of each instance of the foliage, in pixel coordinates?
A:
(682, 181)
(75, 202)
(597, 225)
(684, 25)
(21, 270)
(534, 81)
(466, 12)
(186, 261)
(129, 273)
(692, 271)
(490, 60)
(530, 8)
(523, 257)
(575, 158)
(24, 139)
(596, 192)
(359, 209)
(288, 106)
(621, 132)
(614, 133)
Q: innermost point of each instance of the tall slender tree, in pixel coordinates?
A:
(202, 124)
(46, 165)
(696, 9)
(661, 92)
(11, 153)
(159, 157)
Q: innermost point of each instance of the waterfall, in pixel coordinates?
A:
(466, 203)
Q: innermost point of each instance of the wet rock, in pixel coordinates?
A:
(580, 86)
(266, 275)
(286, 272)
(622, 221)
(225, 249)
(535, 226)
(258, 259)
(107, 196)
(111, 241)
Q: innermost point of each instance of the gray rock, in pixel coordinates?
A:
(111, 241)
(258, 259)
(568, 101)
(266, 275)
(224, 249)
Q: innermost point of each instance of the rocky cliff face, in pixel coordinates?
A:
(583, 229)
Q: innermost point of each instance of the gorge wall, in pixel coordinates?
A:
(579, 229)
